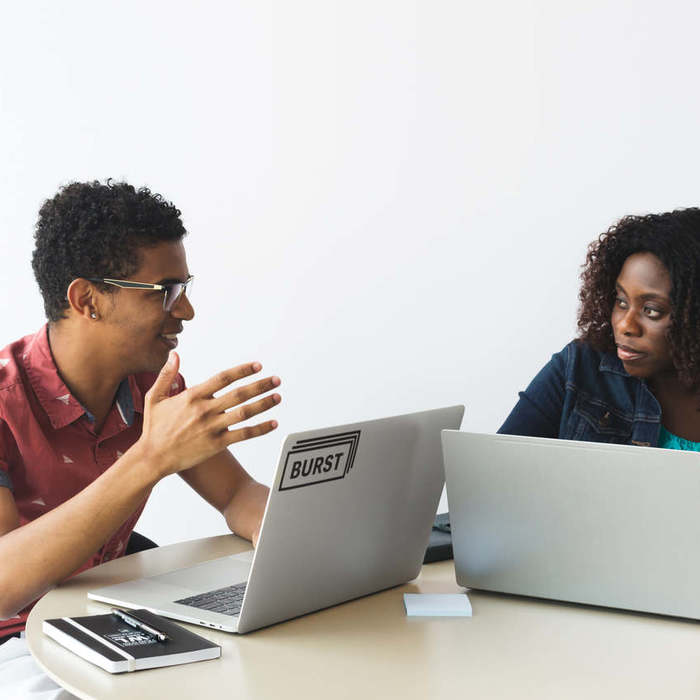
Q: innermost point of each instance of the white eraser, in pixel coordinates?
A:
(437, 604)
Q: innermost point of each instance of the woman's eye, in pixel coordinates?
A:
(621, 302)
(652, 313)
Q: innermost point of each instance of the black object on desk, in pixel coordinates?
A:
(440, 544)
(116, 646)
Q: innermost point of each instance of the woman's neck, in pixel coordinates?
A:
(680, 406)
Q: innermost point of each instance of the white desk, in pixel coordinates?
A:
(368, 648)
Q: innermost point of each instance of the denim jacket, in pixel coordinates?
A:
(582, 394)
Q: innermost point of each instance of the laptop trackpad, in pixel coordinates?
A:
(208, 575)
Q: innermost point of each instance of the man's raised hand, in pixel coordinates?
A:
(183, 430)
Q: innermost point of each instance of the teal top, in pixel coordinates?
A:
(673, 442)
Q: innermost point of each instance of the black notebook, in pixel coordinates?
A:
(115, 646)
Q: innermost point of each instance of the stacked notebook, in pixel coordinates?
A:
(112, 644)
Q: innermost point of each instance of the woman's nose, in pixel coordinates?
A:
(628, 324)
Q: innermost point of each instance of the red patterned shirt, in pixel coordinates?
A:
(48, 448)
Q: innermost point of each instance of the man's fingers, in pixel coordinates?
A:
(224, 378)
(242, 394)
(161, 387)
(231, 436)
(242, 413)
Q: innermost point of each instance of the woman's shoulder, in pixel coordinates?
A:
(584, 350)
(578, 354)
(599, 375)
(582, 366)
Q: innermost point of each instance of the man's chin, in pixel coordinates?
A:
(159, 364)
(154, 364)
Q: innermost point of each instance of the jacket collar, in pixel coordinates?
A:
(612, 363)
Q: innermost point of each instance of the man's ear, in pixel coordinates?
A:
(84, 299)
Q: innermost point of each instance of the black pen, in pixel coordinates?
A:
(137, 624)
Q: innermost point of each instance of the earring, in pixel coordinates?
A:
(93, 315)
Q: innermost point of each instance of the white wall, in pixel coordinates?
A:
(388, 201)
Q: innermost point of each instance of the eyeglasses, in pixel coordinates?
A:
(173, 290)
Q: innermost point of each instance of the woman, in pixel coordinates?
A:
(633, 374)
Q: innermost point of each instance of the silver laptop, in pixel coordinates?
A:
(349, 513)
(611, 525)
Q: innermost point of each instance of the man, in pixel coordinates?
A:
(93, 412)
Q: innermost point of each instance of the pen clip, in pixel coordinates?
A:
(137, 623)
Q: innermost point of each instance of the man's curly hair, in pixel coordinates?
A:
(91, 229)
(674, 238)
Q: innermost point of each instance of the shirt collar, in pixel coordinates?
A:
(60, 405)
(129, 400)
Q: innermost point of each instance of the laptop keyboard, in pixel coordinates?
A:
(226, 601)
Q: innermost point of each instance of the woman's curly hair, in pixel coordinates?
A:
(91, 229)
(674, 238)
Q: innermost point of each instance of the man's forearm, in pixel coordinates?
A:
(245, 511)
(45, 551)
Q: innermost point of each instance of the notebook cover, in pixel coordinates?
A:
(182, 646)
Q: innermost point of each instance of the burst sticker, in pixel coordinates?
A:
(316, 460)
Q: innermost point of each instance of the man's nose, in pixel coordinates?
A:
(183, 309)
